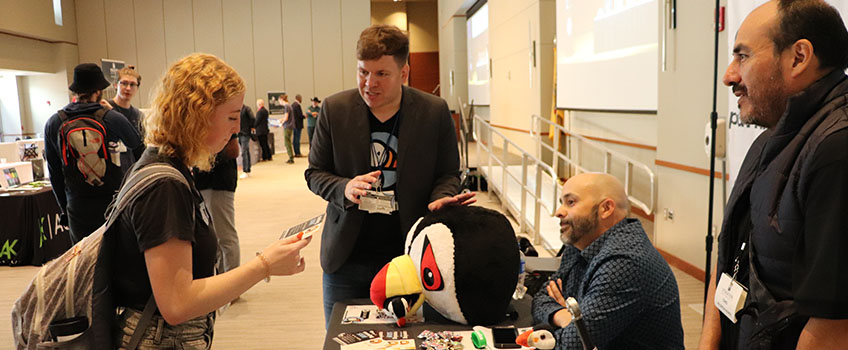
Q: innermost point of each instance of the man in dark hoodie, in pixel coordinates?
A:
(84, 187)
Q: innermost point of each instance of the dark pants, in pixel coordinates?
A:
(263, 143)
(296, 141)
(86, 215)
(351, 281)
(310, 130)
(244, 143)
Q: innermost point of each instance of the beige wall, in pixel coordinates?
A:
(418, 19)
(453, 71)
(299, 46)
(685, 102)
(35, 19)
(393, 13)
(517, 88)
(423, 26)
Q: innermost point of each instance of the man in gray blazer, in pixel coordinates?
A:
(383, 137)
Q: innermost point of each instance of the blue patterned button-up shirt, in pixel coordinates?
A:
(625, 289)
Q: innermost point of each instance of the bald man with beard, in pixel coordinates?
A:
(625, 289)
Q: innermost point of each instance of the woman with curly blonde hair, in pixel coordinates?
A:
(166, 246)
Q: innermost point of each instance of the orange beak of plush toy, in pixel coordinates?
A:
(396, 289)
(541, 339)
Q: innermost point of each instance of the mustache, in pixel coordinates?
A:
(735, 87)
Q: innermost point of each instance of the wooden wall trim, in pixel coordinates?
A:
(684, 266)
(690, 169)
(37, 39)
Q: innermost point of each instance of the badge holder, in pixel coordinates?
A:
(378, 202)
(730, 294)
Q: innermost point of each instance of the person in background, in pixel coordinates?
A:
(783, 236)
(262, 129)
(311, 117)
(626, 290)
(244, 136)
(297, 113)
(381, 136)
(84, 196)
(288, 126)
(129, 81)
(165, 247)
(218, 187)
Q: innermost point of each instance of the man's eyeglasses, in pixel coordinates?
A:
(128, 84)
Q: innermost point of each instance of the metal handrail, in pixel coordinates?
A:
(646, 205)
(482, 132)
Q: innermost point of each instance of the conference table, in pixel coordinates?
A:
(521, 309)
(29, 229)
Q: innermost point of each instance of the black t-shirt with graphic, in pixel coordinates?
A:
(167, 209)
(380, 237)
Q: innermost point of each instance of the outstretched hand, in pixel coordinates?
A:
(460, 199)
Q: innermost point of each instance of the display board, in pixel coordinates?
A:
(478, 56)
(607, 54)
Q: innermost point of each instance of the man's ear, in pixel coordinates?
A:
(607, 208)
(803, 57)
(404, 72)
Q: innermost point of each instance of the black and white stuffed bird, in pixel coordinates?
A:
(466, 263)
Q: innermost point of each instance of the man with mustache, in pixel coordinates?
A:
(385, 137)
(625, 289)
(783, 236)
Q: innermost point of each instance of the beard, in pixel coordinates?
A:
(580, 227)
(767, 103)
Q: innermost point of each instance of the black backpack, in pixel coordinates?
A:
(83, 147)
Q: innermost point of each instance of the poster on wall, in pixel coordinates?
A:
(740, 136)
(275, 102)
(110, 69)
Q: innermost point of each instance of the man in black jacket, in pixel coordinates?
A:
(262, 129)
(245, 133)
(783, 236)
(297, 114)
(84, 202)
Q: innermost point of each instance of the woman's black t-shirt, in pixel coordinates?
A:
(166, 209)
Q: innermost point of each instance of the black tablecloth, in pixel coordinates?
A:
(29, 230)
(522, 307)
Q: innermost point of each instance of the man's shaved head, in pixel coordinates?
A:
(591, 204)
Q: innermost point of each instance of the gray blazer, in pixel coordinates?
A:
(428, 163)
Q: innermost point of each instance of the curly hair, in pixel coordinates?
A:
(184, 102)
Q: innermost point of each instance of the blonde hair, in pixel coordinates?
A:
(184, 102)
(130, 72)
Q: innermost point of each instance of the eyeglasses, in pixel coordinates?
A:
(128, 84)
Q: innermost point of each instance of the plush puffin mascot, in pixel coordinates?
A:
(539, 337)
(465, 261)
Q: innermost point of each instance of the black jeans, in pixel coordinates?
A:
(263, 143)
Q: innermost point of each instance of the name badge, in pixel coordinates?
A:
(378, 202)
(730, 296)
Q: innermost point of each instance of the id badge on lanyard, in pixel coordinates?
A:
(730, 294)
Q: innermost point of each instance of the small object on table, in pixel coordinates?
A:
(478, 339)
(444, 340)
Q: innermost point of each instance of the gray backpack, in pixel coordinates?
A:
(70, 295)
